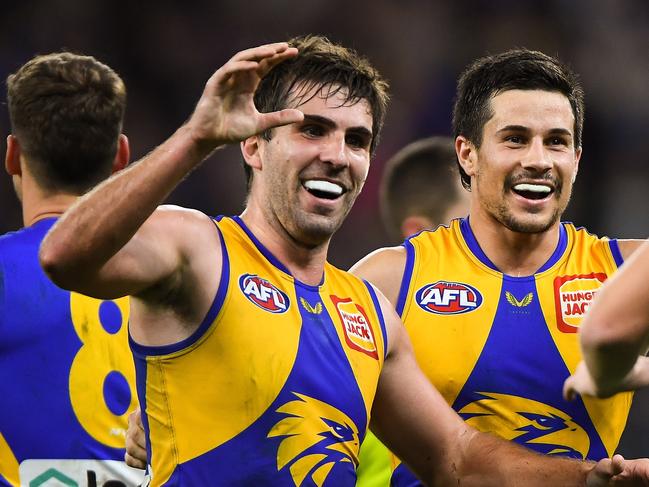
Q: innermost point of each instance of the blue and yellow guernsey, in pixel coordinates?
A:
(499, 347)
(276, 385)
(67, 380)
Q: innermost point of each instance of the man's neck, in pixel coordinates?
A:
(514, 253)
(38, 208)
(305, 263)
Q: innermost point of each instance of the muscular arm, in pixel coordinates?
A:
(615, 333)
(413, 420)
(113, 241)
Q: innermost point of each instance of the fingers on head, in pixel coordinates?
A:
(263, 52)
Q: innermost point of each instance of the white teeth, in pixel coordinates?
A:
(535, 188)
(324, 186)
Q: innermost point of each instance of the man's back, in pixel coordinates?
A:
(66, 375)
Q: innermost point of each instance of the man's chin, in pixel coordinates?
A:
(317, 229)
(529, 224)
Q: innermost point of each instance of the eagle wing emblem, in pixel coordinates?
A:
(511, 299)
(314, 310)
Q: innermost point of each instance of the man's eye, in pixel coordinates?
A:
(312, 130)
(356, 141)
(515, 139)
(558, 141)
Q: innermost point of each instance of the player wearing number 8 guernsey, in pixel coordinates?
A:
(66, 374)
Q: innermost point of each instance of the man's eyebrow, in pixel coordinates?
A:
(319, 119)
(560, 131)
(513, 128)
(523, 128)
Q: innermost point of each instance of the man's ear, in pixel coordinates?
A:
(577, 159)
(123, 154)
(414, 224)
(467, 155)
(250, 151)
(12, 156)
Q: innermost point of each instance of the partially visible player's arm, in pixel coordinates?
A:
(108, 243)
(415, 422)
(615, 333)
(384, 268)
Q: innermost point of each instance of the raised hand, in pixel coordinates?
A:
(226, 111)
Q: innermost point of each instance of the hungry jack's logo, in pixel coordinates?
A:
(263, 294)
(356, 326)
(573, 296)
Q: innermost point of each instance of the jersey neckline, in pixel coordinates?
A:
(476, 250)
(270, 257)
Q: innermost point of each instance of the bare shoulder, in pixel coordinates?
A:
(383, 268)
(186, 226)
(188, 291)
(177, 217)
(629, 246)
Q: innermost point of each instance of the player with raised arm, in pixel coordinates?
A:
(258, 362)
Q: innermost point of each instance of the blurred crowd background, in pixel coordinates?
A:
(165, 51)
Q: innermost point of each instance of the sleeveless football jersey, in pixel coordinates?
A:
(499, 347)
(67, 379)
(275, 386)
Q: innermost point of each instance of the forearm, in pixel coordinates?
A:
(105, 219)
(490, 461)
(613, 370)
(612, 348)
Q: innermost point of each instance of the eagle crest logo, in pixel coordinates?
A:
(316, 437)
(530, 423)
(511, 299)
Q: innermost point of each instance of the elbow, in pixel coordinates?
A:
(55, 263)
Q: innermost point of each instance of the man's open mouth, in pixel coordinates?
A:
(533, 191)
(323, 189)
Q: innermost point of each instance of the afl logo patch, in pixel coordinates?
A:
(263, 294)
(448, 298)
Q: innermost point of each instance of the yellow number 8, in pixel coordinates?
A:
(102, 375)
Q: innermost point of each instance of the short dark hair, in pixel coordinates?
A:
(327, 66)
(517, 69)
(66, 111)
(419, 180)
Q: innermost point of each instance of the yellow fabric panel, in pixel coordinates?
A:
(189, 385)
(430, 342)
(8, 463)
(566, 291)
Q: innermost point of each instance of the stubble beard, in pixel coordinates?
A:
(509, 220)
(308, 229)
